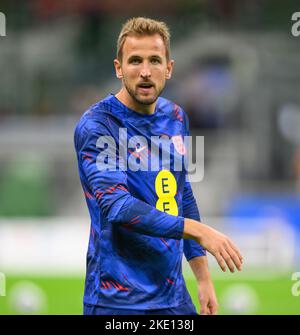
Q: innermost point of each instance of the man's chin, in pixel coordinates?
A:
(146, 100)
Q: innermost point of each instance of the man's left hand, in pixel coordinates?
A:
(207, 298)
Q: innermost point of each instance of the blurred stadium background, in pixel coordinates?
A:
(237, 75)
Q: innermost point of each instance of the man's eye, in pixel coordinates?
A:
(155, 61)
(134, 61)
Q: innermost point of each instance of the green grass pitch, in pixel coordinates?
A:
(64, 294)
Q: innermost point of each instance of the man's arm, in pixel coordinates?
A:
(190, 210)
(223, 251)
(110, 188)
(218, 244)
(118, 206)
(206, 292)
(196, 256)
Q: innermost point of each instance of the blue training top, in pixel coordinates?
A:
(134, 258)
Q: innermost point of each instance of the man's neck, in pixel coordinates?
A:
(127, 100)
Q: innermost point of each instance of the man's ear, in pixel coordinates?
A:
(169, 69)
(118, 68)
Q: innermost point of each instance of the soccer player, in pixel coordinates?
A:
(143, 219)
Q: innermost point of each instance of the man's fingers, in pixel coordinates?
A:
(203, 308)
(228, 260)
(220, 261)
(237, 251)
(208, 308)
(227, 255)
(213, 309)
(235, 258)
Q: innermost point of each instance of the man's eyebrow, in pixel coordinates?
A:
(134, 57)
(156, 56)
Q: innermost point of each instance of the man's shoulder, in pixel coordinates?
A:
(171, 107)
(98, 113)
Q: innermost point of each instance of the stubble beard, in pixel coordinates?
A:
(135, 97)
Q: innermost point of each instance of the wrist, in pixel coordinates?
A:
(205, 278)
(192, 230)
(200, 268)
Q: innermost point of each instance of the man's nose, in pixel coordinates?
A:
(145, 71)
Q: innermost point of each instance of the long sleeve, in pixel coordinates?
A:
(110, 188)
(190, 210)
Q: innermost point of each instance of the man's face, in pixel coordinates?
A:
(144, 68)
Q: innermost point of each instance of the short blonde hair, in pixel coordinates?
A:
(143, 26)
